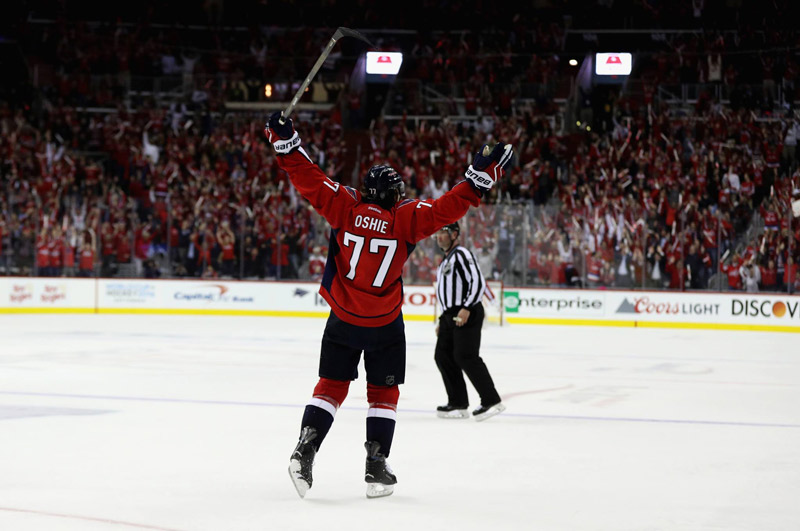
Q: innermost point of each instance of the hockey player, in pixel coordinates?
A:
(373, 231)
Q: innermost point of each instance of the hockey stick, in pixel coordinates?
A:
(340, 32)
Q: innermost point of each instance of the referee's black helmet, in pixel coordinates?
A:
(452, 227)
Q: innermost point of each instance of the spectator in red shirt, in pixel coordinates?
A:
(747, 187)
(675, 271)
(731, 269)
(555, 271)
(56, 248)
(43, 254)
(769, 280)
(771, 220)
(86, 258)
(279, 259)
(109, 248)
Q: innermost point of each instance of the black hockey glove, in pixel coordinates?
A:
(282, 135)
(487, 168)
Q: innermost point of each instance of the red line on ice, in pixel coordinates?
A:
(534, 391)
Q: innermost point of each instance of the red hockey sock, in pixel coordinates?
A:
(329, 394)
(321, 409)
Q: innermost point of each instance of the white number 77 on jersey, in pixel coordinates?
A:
(375, 245)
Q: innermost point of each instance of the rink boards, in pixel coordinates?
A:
(728, 311)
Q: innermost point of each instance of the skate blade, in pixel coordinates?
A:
(454, 414)
(300, 484)
(379, 490)
(494, 410)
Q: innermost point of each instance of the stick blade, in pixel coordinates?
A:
(347, 32)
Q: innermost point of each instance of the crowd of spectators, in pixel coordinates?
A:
(659, 201)
(206, 205)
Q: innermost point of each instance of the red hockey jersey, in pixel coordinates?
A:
(369, 245)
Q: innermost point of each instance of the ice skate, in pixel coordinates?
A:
(487, 412)
(452, 412)
(302, 461)
(378, 475)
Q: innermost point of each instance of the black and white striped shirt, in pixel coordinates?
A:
(459, 281)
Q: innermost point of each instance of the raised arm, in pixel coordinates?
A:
(328, 197)
(426, 217)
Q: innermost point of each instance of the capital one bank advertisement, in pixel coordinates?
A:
(221, 297)
(199, 296)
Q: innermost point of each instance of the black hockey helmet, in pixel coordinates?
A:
(380, 185)
(452, 227)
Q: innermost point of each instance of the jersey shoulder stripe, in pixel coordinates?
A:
(406, 202)
(351, 191)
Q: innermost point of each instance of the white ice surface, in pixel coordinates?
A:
(187, 423)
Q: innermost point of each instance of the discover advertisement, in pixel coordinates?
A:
(783, 310)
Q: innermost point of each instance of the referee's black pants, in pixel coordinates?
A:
(458, 352)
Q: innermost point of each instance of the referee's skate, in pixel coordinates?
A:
(452, 412)
(487, 412)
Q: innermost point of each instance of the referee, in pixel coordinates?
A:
(459, 289)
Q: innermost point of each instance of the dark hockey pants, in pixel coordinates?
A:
(458, 352)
